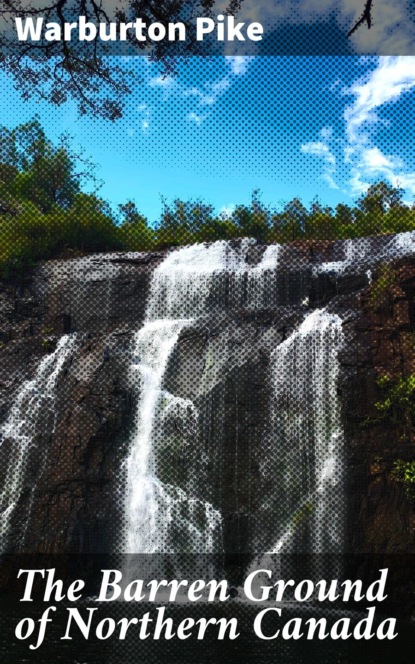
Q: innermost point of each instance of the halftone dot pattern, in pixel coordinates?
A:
(200, 390)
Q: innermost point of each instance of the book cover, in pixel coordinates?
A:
(207, 331)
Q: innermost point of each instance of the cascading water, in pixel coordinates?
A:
(188, 283)
(162, 515)
(34, 404)
(308, 435)
(360, 251)
(151, 505)
(261, 287)
(305, 452)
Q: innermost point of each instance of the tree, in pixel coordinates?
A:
(344, 221)
(39, 171)
(134, 228)
(253, 220)
(320, 223)
(366, 17)
(372, 207)
(380, 197)
(183, 222)
(60, 70)
(290, 224)
(43, 210)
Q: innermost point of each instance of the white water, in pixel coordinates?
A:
(261, 287)
(188, 282)
(308, 433)
(34, 404)
(195, 278)
(182, 285)
(149, 503)
(361, 251)
(191, 282)
(309, 477)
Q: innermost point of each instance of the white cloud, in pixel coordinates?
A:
(326, 133)
(205, 95)
(212, 91)
(194, 117)
(330, 181)
(163, 82)
(356, 184)
(239, 63)
(407, 182)
(204, 98)
(335, 84)
(363, 160)
(392, 77)
(319, 149)
(145, 112)
(322, 150)
(375, 160)
(222, 85)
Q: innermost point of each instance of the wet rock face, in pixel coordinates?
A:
(71, 488)
(91, 295)
(75, 500)
(381, 515)
(95, 293)
(380, 345)
(221, 363)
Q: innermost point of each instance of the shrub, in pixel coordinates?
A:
(404, 472)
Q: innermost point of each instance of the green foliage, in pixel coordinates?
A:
(134, 231)
(404, 472)
(48, 344)
(398, 404)
(253, 220)
(32, 235)
(36, 170)
(379, 290)
(45, 212)
(380, 198)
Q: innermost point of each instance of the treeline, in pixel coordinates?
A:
(45, 211)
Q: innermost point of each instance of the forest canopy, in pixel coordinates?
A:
(50, 207)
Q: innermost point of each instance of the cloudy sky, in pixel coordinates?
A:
(290, 126)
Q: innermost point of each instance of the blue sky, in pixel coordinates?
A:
(290, 126)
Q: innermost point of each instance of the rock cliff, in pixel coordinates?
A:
(73, 475)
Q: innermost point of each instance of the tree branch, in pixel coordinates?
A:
(366, 17)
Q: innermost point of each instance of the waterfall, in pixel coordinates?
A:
(304, 454)
(182, 286)
(261, 281)
(361, 252)
(34, 404)
(189, 283)
(308, 435)
(151, 506)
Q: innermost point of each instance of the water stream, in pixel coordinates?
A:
(308, 434)
(189, 283)
(34, 404)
